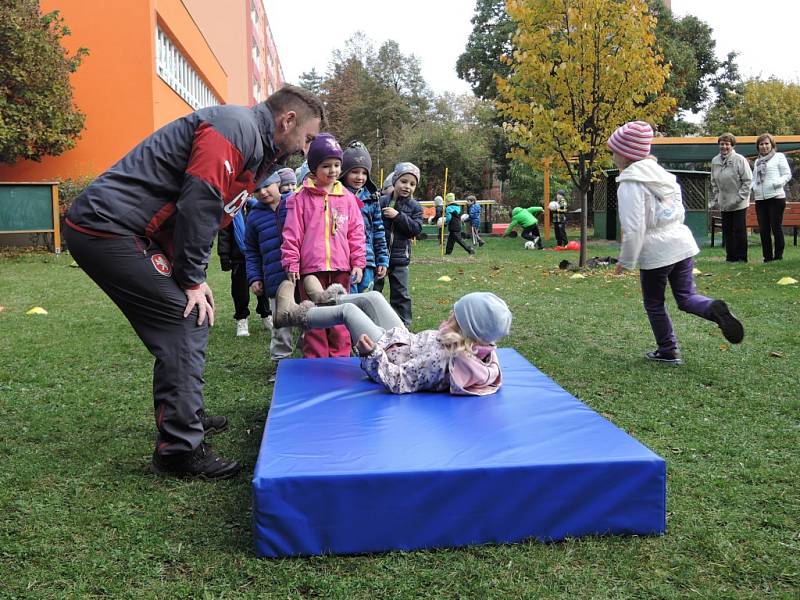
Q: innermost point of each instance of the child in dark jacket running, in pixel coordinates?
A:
(402, 218)
(356, 165)
(453, 222)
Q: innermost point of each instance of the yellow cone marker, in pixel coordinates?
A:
(786, 281)
(444, 278)
(36, 310)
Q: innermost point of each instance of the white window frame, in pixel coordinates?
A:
(173, 68)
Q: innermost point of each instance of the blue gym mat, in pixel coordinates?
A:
(346, 467)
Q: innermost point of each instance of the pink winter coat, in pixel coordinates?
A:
(323, 232)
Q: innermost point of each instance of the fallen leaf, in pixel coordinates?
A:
(578, 276)
(724, 347)
(786, 281)
(2, 308)
(36, 310)
(444, 278)
(776, 354)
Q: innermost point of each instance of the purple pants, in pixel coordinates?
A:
(681, 280)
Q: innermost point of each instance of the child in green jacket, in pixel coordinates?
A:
(524, 217)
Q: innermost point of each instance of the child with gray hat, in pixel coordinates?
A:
(458, 357)
(356, 167)
(402, 219)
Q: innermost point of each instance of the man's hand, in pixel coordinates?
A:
(225, 263)
(203, 299)
(380, 272)
(365, 345)
(356, 275)
(389, 212)
(293, 276)
(257, 287)
(618, 269)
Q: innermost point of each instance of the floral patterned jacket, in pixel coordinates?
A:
(405, 362)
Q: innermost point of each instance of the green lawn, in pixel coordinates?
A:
(81, 516)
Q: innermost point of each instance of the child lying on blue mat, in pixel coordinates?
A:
(459, 356)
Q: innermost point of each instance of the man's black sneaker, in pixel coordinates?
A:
(672, 357)
(211, 424)
(200, 463)
(731, 327)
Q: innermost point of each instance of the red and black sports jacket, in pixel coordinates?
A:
(181, 184)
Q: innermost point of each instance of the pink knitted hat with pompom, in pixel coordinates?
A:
(632, 140)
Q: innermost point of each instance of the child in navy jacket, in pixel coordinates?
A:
(263, 255)
(356, 165)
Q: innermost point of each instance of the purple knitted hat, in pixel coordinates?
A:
(632, 140)
(324, 146)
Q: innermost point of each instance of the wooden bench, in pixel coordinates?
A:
(791, 218)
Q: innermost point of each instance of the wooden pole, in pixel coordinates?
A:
(56, 220)
(444, 213)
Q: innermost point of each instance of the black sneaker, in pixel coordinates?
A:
(212, 425)
(731, 327)
(200, 463)
(672, 357)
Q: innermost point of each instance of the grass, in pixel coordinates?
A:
(80, 515)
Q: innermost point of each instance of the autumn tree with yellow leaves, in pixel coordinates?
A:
(579, 69)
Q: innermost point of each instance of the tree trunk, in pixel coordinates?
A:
(584, 225)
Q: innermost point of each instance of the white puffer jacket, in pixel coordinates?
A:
(651, 217)
(776, 176)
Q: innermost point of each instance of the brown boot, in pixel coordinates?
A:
(322, 296)
(287, 312)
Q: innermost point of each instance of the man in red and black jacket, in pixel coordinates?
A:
(143, 232)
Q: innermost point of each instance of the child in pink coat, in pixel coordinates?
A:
(458, 357)
(324, 236)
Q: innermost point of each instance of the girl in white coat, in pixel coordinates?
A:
(770, 173)
(654, 237)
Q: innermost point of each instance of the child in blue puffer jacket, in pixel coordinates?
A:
(356, 165)
(475, 220)
(263, 255)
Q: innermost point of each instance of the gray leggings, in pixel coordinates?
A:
(368, 313)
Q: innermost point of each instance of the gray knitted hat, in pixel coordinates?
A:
(388, 182)
(483, 316)
(405, 168)
(287, 176)
(274, 178)
(357, 155)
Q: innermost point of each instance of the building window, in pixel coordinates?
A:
(178, 74)
(256, 51)
(253, 12)
(257, 90)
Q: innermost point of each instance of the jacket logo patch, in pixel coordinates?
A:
(161, 264)
(232, 207)
(228, 168)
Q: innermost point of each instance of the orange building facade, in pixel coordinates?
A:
(150, 62)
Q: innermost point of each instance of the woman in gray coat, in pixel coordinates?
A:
(730, 188)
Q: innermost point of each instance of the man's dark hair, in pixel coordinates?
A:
(300, 100)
